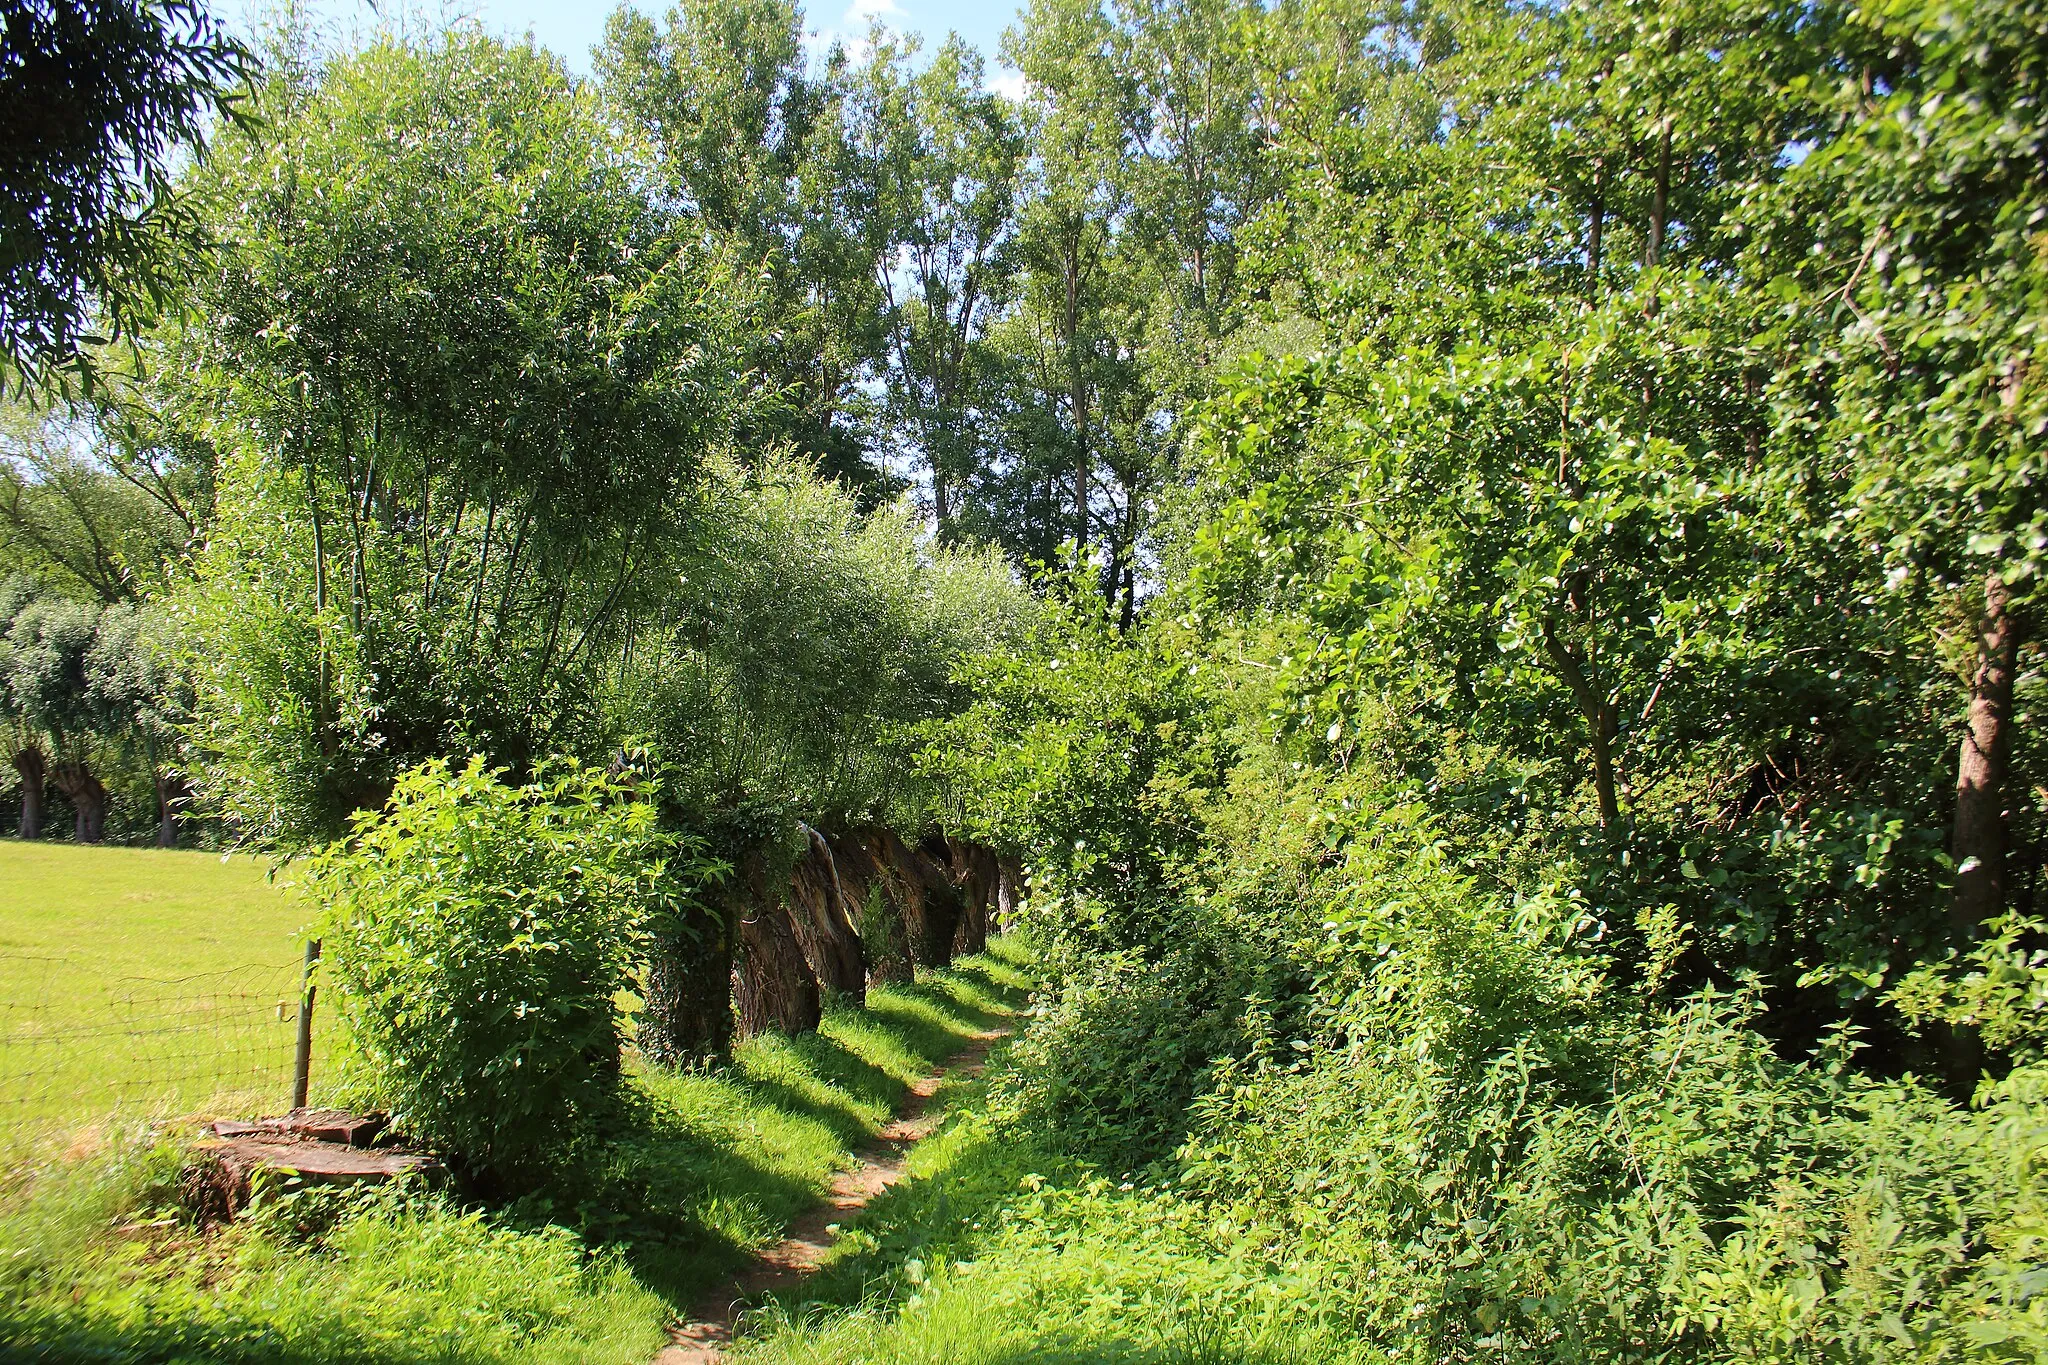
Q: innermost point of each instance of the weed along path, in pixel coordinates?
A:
(876, 1166)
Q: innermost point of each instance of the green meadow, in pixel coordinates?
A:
(143, 981)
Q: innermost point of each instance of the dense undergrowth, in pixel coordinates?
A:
(1553, 873)
(1492, 1154)
(690, 1173)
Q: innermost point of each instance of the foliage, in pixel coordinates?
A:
(91, 695)
(461, 375)
(1120, 1047)
(479, 933)
(1999, 988)
(86, 516)
(1072, 749)
(801, 636)
(95, 97)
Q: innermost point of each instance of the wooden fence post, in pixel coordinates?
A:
(302, 1061)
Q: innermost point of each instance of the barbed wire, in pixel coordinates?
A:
(78, 1046)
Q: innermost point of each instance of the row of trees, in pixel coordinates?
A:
(86, 700)
(469, 442)
(871, 258)
(1022, 296)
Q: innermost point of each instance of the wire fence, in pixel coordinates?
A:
(79, 1047)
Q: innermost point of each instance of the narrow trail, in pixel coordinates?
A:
(876, 1166)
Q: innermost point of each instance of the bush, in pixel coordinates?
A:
(479, 934)
(1120, 1047)
(1497, 1152)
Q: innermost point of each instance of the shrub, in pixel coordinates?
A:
(1121, 1045)
(479, 933)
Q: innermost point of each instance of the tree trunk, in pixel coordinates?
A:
(944, 901)
(772, 983)
(35, 772)
(1979, 838)
(823, 926)
(927, 897)
(689, 992)
(88, 798)
(1078, 399)
(1010, 892)
(1601, 721)
(974, 872)
(171, 795)
(874, 905)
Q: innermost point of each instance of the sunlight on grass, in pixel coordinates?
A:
(143, 982)
(723, 1160)
(700, 1170)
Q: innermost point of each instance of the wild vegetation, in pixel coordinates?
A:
(1476, 562)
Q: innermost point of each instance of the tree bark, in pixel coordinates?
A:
(875, 906)
(688, 1018)
(824, 928)
(1978, 842)
(773, 986)
(926, 895)
(974, 872)
(88, 798)
(35, 771)
(1010, 892)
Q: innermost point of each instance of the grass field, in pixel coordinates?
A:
(698, 1170)
(142, 980)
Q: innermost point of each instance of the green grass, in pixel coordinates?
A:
(1000, 1251)
(149, 981)
(700, 1170)
(717, 1164)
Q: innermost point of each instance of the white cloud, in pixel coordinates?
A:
(1010, 84)
(851, 30)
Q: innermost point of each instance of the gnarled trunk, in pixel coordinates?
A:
(88, 798)
(823, 926)
(34, 769)
(688, 1017)
(773, 986)
(975, 874)
(931, 910)
(874, 904)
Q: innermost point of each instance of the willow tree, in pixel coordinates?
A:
(460, 371)
(800, 638)
(95, 100)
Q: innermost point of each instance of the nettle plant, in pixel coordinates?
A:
(478, 934)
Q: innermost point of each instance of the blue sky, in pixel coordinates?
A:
(572, 28)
